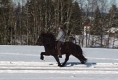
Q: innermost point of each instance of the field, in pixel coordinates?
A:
(23, 63)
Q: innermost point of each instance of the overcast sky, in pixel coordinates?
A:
(110, 1)
(21, 1)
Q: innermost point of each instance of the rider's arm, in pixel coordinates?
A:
(59, 35)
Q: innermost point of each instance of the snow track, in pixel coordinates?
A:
(51, 67)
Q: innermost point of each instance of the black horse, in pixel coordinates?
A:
(68, 48)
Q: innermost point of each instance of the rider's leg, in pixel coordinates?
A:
(58, 48)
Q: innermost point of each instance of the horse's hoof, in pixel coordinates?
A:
(83, 62)
(42, 58)
(60, 65)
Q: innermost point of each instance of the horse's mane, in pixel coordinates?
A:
(50, 35)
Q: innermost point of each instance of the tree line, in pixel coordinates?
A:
(22, 24)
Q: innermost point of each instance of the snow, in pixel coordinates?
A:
(23, 63)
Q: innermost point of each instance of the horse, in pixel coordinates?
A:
(49, 42)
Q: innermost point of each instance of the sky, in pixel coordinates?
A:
(114, 2)
(21, 1)
(110, 1)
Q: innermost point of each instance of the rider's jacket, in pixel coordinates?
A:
(60, 36)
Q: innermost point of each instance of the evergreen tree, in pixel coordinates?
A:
(76, 19)
(96, 28)
(112, 19)
(113, 16)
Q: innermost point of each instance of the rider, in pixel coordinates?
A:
(60, 39)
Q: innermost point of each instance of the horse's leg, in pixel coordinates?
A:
(55, 56)
(81, 60)
(43, 53)
(66, 59)
(57, 59)
(42, 57)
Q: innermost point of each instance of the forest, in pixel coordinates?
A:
(22, 24)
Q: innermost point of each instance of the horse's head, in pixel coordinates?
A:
(45, 38)
(40, 39)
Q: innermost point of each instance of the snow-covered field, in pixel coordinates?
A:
(23, 63)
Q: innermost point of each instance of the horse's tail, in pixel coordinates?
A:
(79, 49)
(81, 54)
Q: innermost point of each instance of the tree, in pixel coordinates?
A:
(98, 27)
(112, 18)
(95, 29)
(5, 7)
(76, 19)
